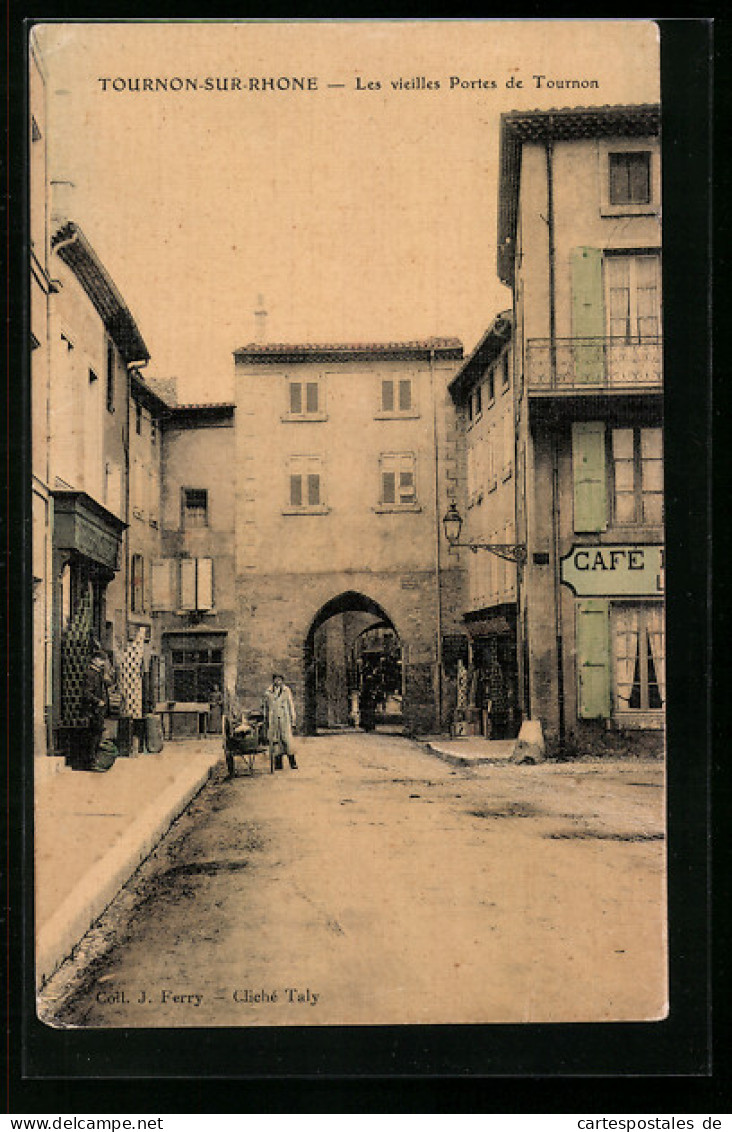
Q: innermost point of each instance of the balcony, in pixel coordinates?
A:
(594, 365)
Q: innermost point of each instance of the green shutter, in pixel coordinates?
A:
(589, 476)
(593, 659)
(588, 315)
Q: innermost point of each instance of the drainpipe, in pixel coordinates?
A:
(438, 592)
(555, 448)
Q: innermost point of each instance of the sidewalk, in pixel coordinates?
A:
(470, 750)
(92, 830)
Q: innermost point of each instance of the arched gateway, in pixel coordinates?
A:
(334, 657)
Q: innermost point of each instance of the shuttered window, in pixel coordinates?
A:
(396, 396)
(593, 659)
(589, 476)
(306, 485)
(398, 480)
(588, 315)
(196, 584)
(304, 398)
(162, 584)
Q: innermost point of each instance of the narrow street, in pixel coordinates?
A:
(380, 885)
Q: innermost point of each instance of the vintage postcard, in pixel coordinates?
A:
(349, 666)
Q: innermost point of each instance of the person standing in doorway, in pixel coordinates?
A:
(279, 720)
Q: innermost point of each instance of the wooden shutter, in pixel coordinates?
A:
(589, 475)
(388, 487)
(588, 315)
(188, 583)
(311, 397)
(162, 584)
(295, 397)
(593, 659)
(387, 396)
(313, 489)
(405, 396)
(204, 583)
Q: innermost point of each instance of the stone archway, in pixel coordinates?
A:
(349, 602)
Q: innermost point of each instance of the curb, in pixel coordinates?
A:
(69, 923)
(463, 760)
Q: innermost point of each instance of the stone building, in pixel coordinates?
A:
(579, 242)
(483, 393)
(192, 593)
(346, 457)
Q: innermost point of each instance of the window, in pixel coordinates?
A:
(632, 285)
(639, 657)
(397, 397)
(196, 584)
(137, 584)
(490, 376)
(478, 401)
(305, 400)
(637, 460)
(110, 376)
(630, 178)
(305, 488)
(194, 508)
(505, 373)
(92, 377)
(398, 481)
(138, 418)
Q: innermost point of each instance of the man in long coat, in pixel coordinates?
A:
(280, 719)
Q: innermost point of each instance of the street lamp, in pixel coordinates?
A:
(453, 524)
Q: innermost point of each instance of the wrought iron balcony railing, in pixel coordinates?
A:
(572, 364)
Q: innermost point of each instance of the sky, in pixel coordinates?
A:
(360, 209)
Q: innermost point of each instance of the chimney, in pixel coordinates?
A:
(260, 321)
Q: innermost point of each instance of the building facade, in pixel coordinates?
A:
(579, 242)
(192, 590)
(483, 393)
(346, 456)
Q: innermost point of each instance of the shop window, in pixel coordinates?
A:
(194, 507)
(398, 480)
(639, 658)
(637, 461)
(630, 177)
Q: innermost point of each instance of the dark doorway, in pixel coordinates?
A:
(351, 646)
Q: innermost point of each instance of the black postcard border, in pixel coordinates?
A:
(413, 1068)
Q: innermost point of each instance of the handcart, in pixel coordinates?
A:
(245, 738)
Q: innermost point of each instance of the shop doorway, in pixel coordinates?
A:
(195, 666)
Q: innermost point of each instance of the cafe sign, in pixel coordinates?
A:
(603, 570)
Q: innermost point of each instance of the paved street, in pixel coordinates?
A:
(380, 885)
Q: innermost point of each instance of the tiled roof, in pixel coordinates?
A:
(263, 353)
(566, 123)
